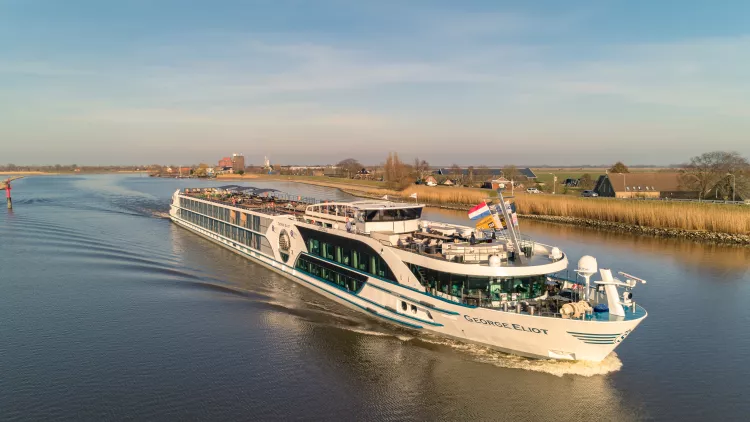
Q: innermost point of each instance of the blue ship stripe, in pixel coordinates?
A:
(369, 310)
(592, 334)
(436, 324)
(595, 337)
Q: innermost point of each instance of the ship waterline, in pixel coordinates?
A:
(383, 259)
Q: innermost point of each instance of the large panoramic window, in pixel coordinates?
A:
(349, 252)
(340, 277)
(485, 288)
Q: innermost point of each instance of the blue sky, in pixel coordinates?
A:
(482, 82)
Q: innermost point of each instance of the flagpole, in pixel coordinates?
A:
(511, 229)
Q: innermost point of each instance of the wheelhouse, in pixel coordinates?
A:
(367, 216)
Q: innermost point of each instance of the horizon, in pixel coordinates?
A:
(88, 82)
(432, 166)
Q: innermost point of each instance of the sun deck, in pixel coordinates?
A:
(440, 241)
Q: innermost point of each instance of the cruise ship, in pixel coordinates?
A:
(490, 287)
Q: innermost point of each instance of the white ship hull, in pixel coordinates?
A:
(401, 304)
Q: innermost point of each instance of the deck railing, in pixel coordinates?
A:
(267, 206)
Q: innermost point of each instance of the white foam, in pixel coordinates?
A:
(553, 367)
(366, 332)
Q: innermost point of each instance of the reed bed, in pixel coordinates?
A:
(732, 219)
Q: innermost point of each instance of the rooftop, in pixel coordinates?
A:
(659, 182)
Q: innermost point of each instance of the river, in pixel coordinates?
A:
(109, 311)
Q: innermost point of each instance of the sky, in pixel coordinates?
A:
(305, 82)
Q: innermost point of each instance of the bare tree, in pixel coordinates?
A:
(586, 181)
(456, 173)
(511, 172)
(421, 169)
(349, 167)
(482, 173)
(722, 171)
(396, 173)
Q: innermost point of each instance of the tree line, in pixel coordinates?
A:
(717, 174)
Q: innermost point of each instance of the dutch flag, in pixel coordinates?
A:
(479, 211)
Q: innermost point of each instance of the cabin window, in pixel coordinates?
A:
(314, 246)
(327, 251)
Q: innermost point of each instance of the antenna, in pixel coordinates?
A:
(587, 267)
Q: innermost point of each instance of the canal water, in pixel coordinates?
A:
(108, 312)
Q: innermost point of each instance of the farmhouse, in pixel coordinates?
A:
(642, 185)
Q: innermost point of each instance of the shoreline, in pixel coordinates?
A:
(701, 236)
(368, 191)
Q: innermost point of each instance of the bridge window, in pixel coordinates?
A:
(393, 214)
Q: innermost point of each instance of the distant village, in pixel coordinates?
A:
(716, 175)
(721, 177)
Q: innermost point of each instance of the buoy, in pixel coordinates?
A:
(7, 194)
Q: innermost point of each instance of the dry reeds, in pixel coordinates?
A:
(732, 219)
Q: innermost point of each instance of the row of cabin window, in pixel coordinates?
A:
(252, 222)
(489, 287)
(359, 260)
(329, 273)
(239, 235)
